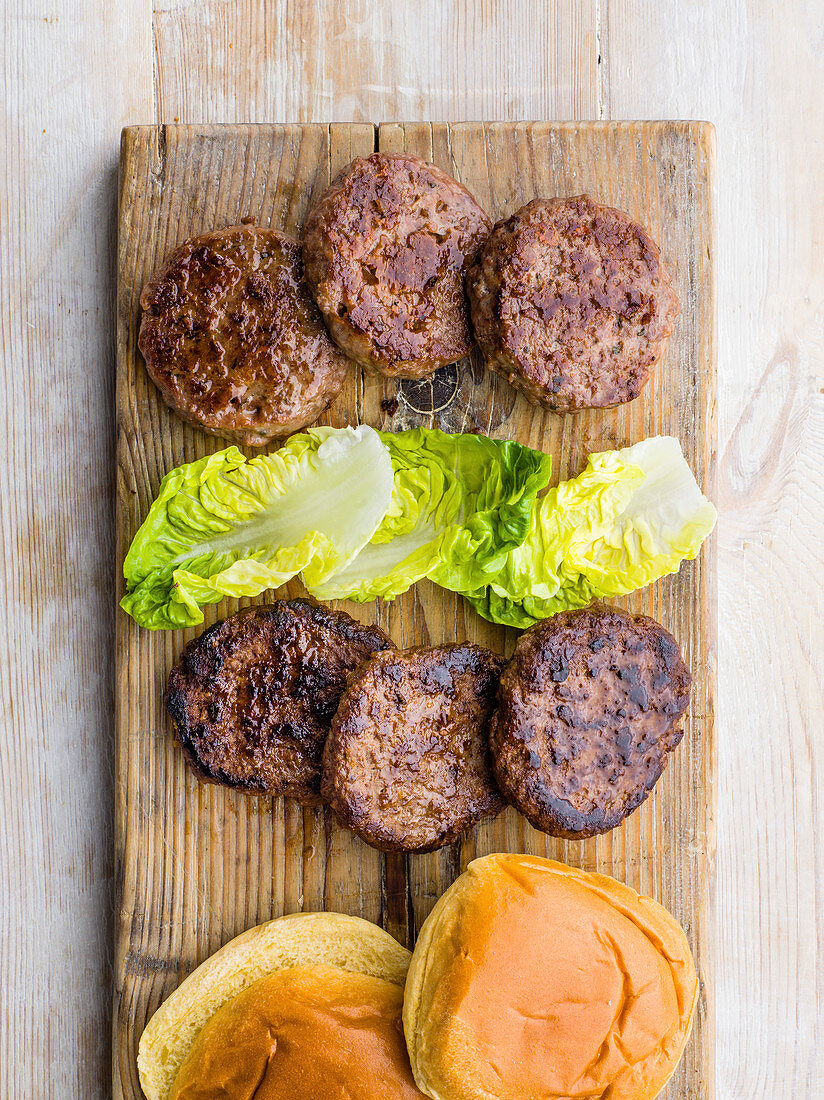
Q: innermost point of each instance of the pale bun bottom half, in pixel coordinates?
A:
(316, 1032)
(531, 980)
(303, 939)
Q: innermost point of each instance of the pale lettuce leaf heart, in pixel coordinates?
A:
(230, 526)
(665, 521)
(460, 503)
(630, 517)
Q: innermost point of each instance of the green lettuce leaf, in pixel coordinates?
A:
(362, 515)
(630, 517)
(230, 526)
(460, 504)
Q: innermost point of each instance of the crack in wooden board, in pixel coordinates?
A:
(196, 864)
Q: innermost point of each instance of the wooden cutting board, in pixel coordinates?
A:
(197, 864)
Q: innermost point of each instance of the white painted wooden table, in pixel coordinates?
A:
(74, 72)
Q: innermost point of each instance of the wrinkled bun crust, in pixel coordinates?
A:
(312, 1031)
(531, 979)
(329, 939)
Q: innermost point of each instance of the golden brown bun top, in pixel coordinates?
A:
(302, 939)
(310, 1031)
(531, 979)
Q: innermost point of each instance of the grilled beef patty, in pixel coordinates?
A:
(571, 303)
(407, 764)
(385, 251)
(252, 698)
(234, 341)
(590, 706)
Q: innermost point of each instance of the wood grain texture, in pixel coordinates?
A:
(198, 864)
(58, 147)
(757, 70)
(368, 60)
(81, 71)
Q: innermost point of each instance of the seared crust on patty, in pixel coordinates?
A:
(385, 251)
(407, 764)
(234, 341)
(252, 698)
(571, 303)
(589, 710)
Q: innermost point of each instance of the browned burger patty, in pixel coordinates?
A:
(571, 303)
(589, 709)
(407, 765)
(252, 698)
(385, 251)
(234, 341)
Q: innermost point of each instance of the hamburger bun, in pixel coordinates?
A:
(531, 980)
(310, 1031)
(327, 939)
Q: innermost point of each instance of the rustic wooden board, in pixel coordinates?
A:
(195, 864)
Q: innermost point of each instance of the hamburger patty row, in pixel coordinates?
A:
(571, 303)
(385, 251)
(412, 748)
(407, 764)
(590, 706)
(234, 341)
(252, 698)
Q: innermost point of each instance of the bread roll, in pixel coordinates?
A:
(311, 1031)
(331, 939)
(531, 980)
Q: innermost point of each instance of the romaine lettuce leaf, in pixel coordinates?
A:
(630, 517)
(361, 514)
(228, 526)
(460, 504)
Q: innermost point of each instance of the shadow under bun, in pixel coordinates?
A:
(531, 978)
(311, 1031)
(303, 939)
